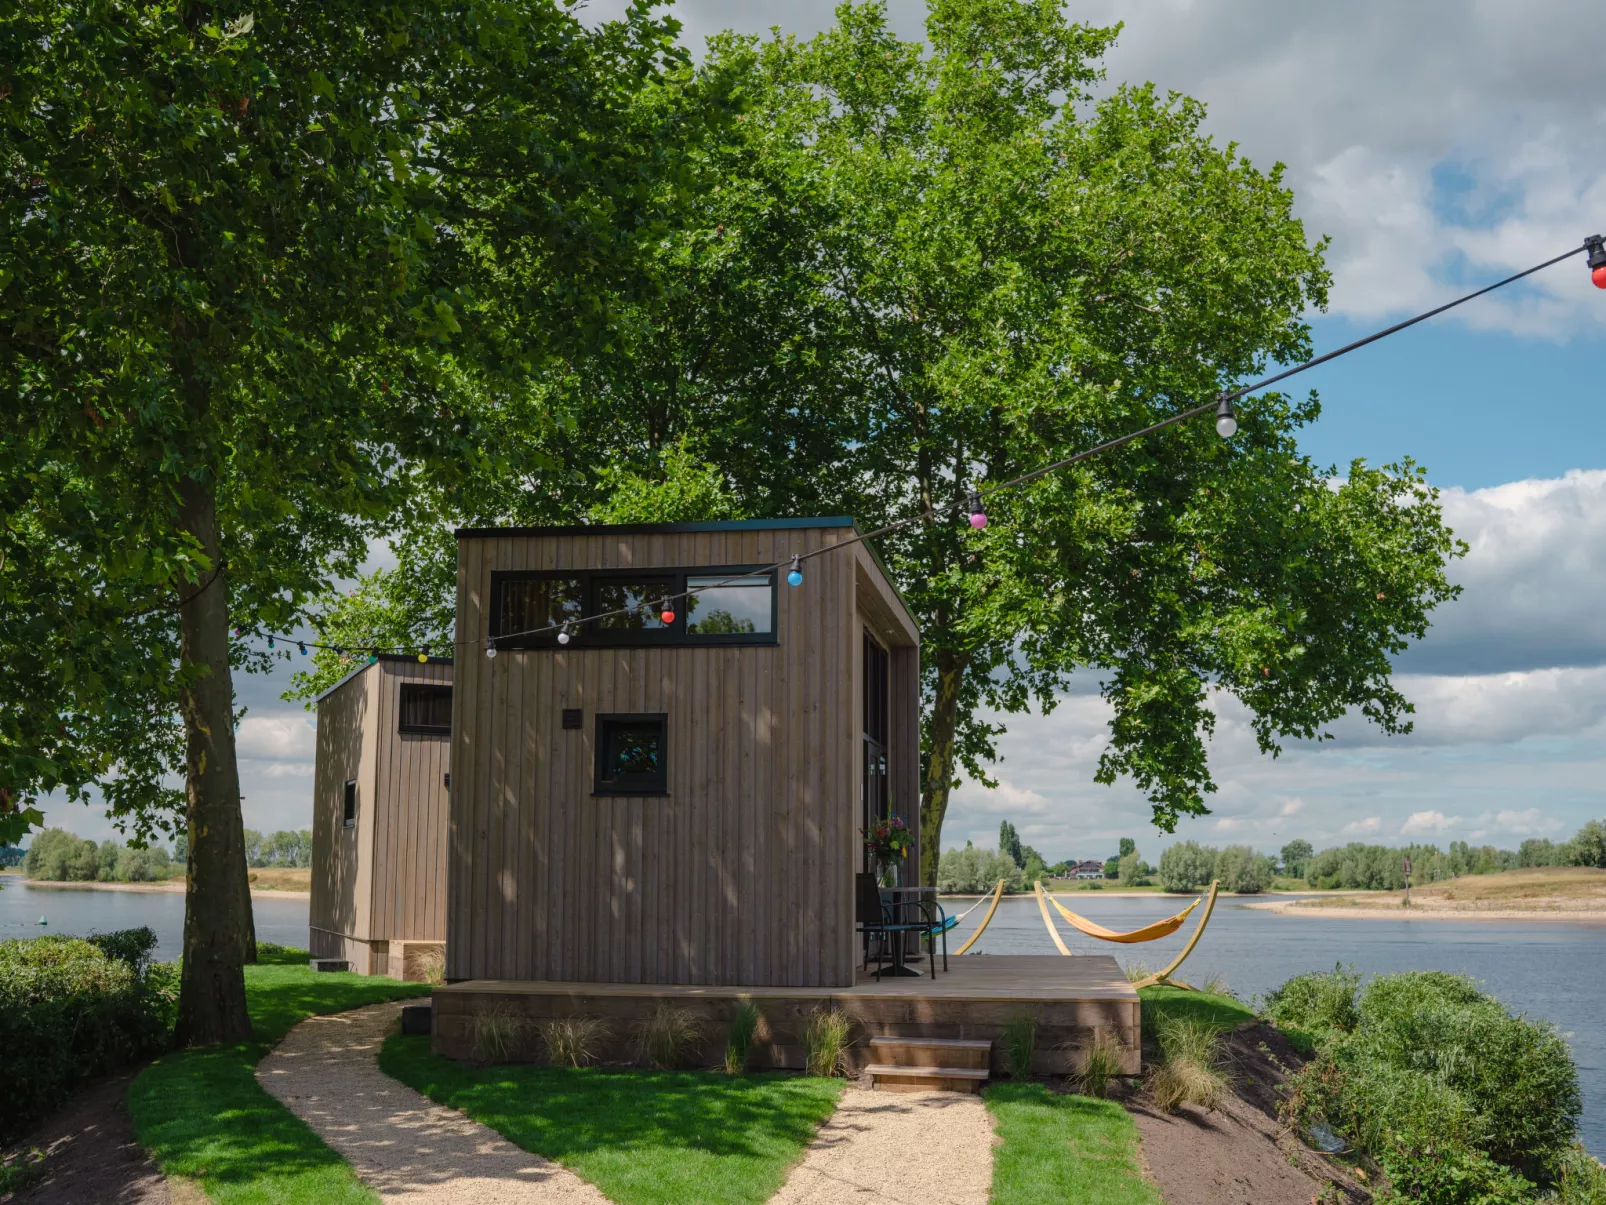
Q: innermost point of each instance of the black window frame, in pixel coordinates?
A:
(655, 785)
(436, 689)
(348, 804)
(590, 636)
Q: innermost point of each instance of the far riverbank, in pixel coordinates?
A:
(170, 887)
(1383, 909)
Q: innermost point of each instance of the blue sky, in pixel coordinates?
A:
(1439, 145)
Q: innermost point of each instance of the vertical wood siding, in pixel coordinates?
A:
(743, 873)
(409, 813)
(343, 755)
(384, 878)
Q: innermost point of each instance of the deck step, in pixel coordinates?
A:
(931, 1052)
(890, 1077)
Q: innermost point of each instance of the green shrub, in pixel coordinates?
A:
(69, 1011)
(1583, 1179)
(1461, 1102)
(132, 946)
(1322, 1000)
(1516, 1074)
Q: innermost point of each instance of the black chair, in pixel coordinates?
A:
(937, 923)
(882, 919)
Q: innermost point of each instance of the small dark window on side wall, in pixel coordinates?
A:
(348, 815)
(426, 708)
(632, 754)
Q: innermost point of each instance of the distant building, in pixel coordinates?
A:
(1088, 870)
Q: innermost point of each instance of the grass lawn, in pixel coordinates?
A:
(1222, 1012)
(201, 1113)
(642, 1137)
(1064, 1148)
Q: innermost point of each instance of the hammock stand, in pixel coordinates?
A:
(1167, 926)
(998, 893)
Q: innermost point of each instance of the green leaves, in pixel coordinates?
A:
(309, 256)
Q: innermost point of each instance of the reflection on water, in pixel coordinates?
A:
(77, 911)
(1553, 970)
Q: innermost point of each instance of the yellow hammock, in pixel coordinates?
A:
(1160, 928)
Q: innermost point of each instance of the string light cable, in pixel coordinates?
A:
(974, 508)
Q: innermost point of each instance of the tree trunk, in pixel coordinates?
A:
(218, 930)
(944, 722)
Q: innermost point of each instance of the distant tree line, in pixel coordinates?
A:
(11, 855)
(1188, 865)
(55, 855)
(284, 848)
(58, 856)
(1382, 868)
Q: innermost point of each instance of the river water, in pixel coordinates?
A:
(1556, 971)
(79, 911)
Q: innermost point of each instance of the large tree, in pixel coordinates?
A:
(1023, 273)
(267, 271)
(925, 269)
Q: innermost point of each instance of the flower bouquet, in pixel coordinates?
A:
(888, 841)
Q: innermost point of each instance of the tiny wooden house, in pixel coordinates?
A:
(674, 794)
(380, 817)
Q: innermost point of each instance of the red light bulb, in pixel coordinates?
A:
(1599, 277)
(668, 616)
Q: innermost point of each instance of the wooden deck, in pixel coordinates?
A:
(1071, 999)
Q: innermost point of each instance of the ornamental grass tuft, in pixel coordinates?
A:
(826, 1039)
(573, 1041)
(1188, 1073)
(739, 1046)
(499, 1034)
(1101, 1063)
(1020, 1043)
(666, 1038)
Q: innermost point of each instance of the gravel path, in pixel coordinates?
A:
(915, 1148)
(406, 1147)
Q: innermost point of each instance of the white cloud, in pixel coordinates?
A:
(284, 737)
(1292, 808)
(279, 769)
(1531, 582)
(1361, 828)
(1430, 823)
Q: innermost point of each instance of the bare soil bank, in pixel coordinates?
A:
(1241, 1154)
(1572, 893)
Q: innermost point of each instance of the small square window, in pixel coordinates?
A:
(426, 708)
(574, 718)
(349, 812)
(631, 755)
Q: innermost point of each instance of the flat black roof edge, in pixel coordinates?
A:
(648, 529)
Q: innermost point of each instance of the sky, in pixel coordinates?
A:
(1439, 146)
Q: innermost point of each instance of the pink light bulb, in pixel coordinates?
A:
(978, 520)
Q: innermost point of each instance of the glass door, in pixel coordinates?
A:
(874, 799)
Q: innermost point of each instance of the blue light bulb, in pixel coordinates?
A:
(795, 577)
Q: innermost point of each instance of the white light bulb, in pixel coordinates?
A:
(563, 636)
(490, 649)
(1226, 426)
